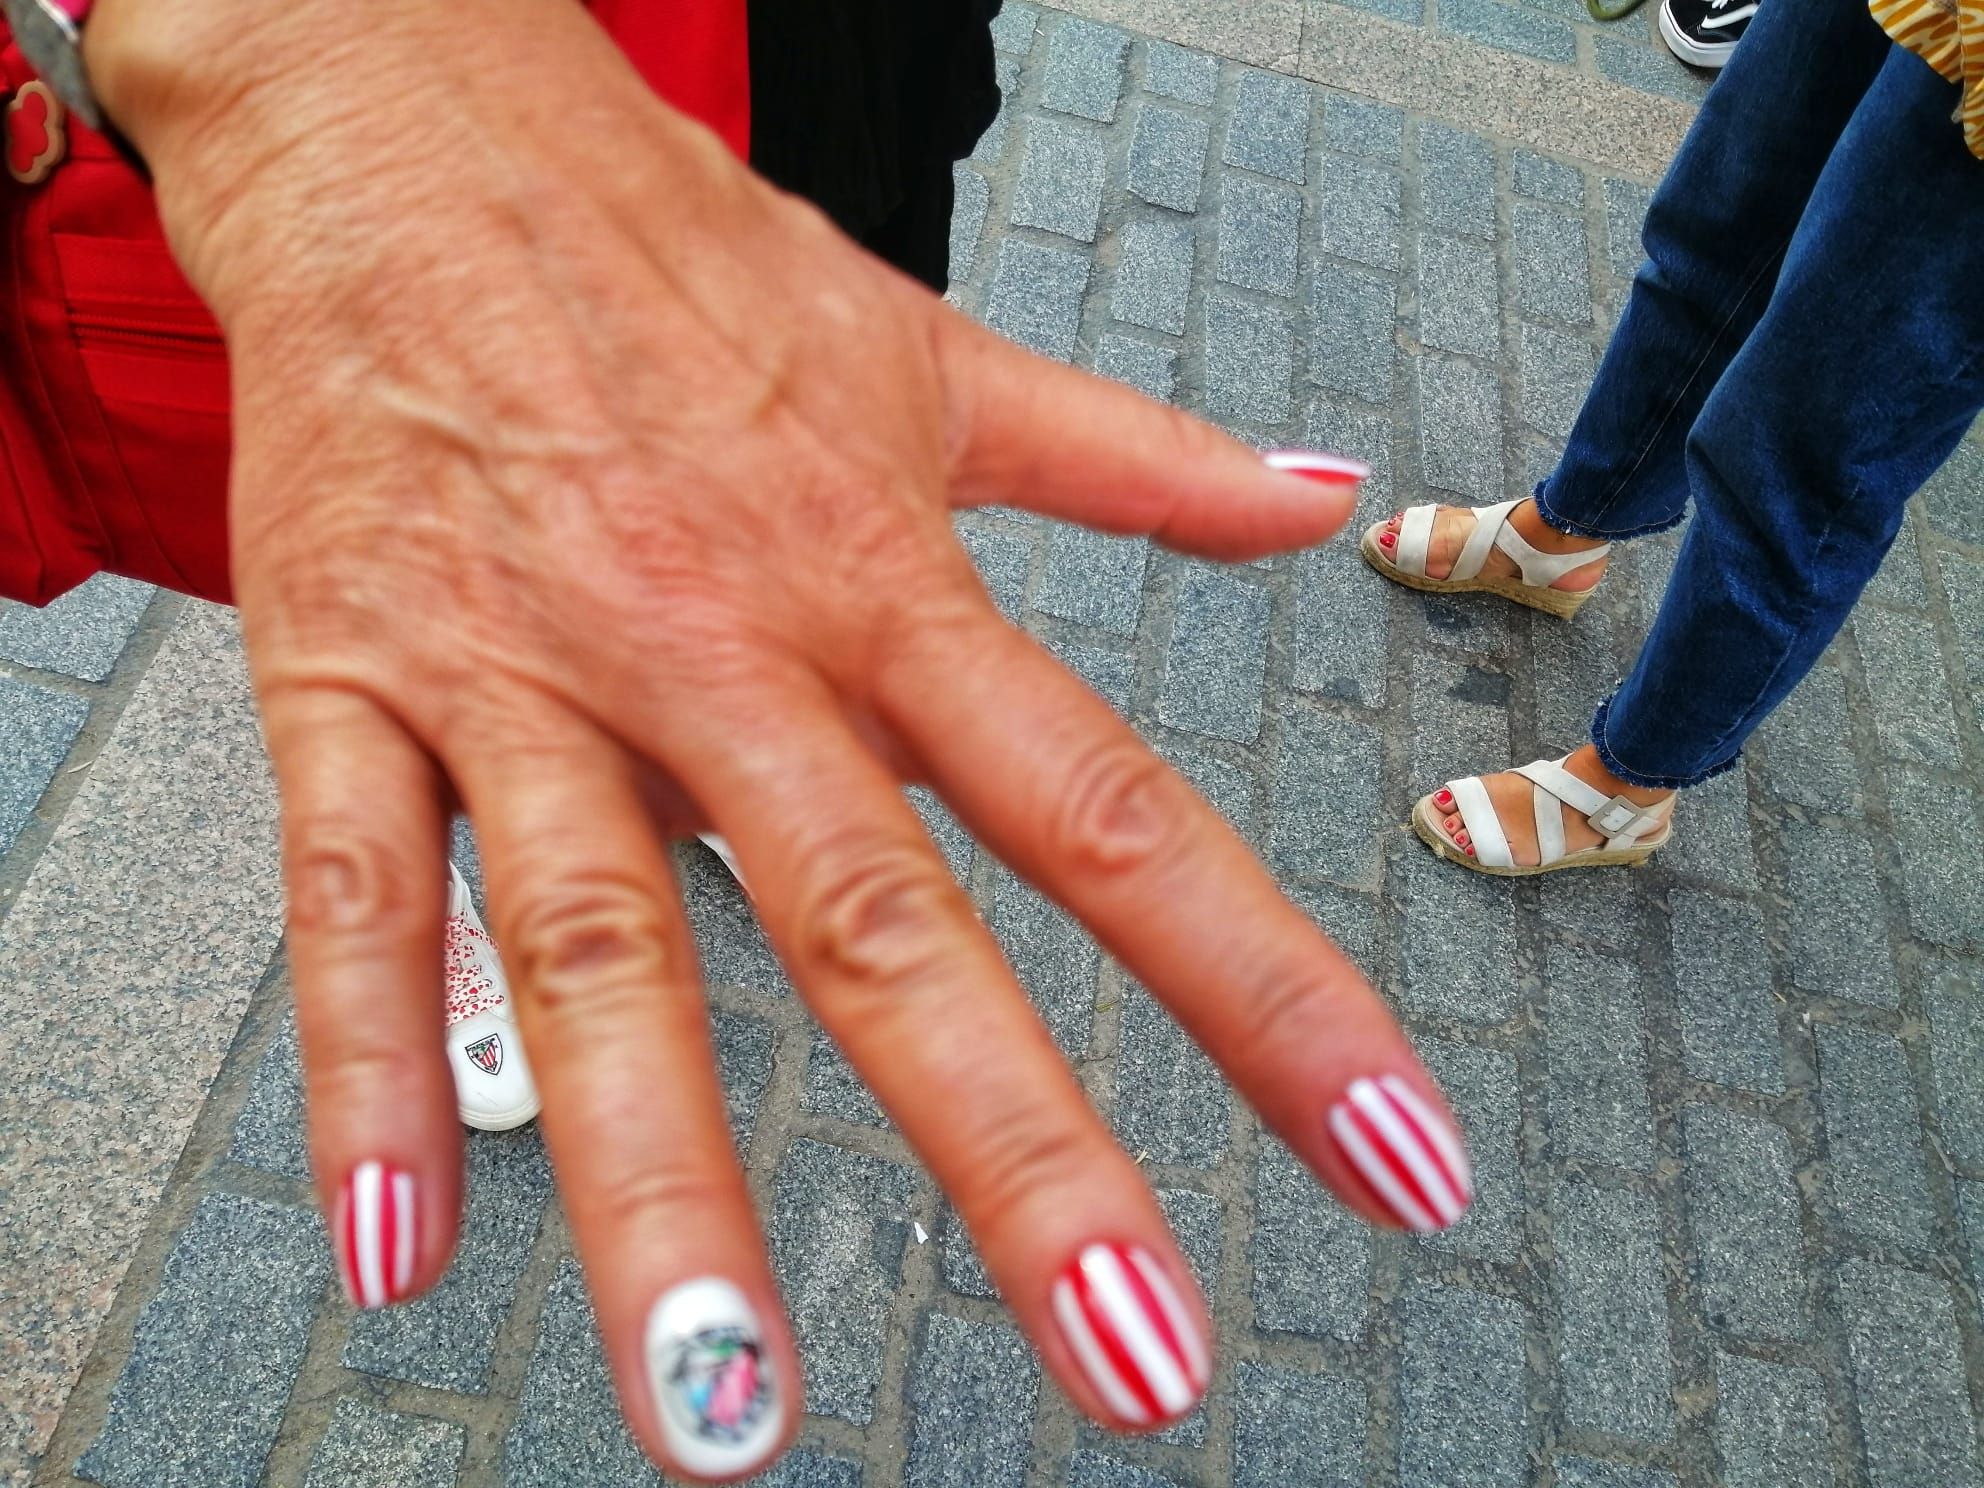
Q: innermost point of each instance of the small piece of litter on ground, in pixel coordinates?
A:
(921, 1233)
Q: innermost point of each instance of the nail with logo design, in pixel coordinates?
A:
(1408, 1154)
(374, 1232)
(1137, 1343)
(711, 1374)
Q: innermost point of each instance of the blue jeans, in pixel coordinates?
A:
(1803, 349)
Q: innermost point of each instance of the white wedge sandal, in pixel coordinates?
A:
(1492, 530)
(1632, 833)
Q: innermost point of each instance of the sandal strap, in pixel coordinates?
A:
(1488, 524)
(1549, 813)
(1540, 569)
(1484, 828)
(1415, 536)
(1620, 821)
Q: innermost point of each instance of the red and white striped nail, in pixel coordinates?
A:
(1131, 1332)
(1338, 470)
(1408, 1153)
(374, 1231)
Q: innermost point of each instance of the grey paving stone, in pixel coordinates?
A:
(1595, 1035)
(1094, 579)
(1311, 1256)
(1552, 263)
(1650, 69)
(1460, 719)
(1085, 69)
(1743, 1212)
(1229, 788)
(952, 840)
(37, 727)
(1963, 580)
(971, 1394)
(216, 1351)
(1908, 1375)
(1217, 661)
(1943, 903)
(991, 147)
(1154, 275)
(1899, 580)
(1250, 360)
(1172, 71)
(1363, 126)
(1061, 176)
(1712, 834)
(1269, 128)
(1723, 992)
(1297, 1428)
(1002, 559)
(269, 1133)
(1576, 665)
(1625, 215)
(833, 1088)
(1592, 909)
(1194, 1218)
(1873, 1137)
(1342, 630)
(1587, 1472)
(1013, 29)
(1970, 1219)
(1911, 693)
(1354, 348)
(1955, 1004)
(744, 1062)
(1172, 1103)
(1484, 1089)
(1460, 304)
(1461, 1389)
(1168, 158)
(1556, 369)
(445, 1338)
(1407, 12)
(1445, 907)
(1036, 297)
(1357, 211)
(568, 1427)
(1616, 1372)
(80, 634)
(1953, 498)
(1327, 806)
(1087, 1469)
(1460, 426)
(1808, 747)
(1510, 27)
(1334, 425)
(733, 948)
(964, 1268)
(1456, 180)
(1351, 920)
(837, 1231)
(1839, 941)
(1053, 957)
(1770, 1425)
(367, 1445)
(1260, 234)
(974, 199)
(1109, 674)
(1548, 180)
(1151, 370)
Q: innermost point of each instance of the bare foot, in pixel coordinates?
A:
(1512, 796)
(1453, 524)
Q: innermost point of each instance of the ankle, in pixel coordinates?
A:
(1527, 519)
(1586, 764)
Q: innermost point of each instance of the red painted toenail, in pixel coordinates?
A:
(1385, 540)
(1470, 850)
(1444, 799)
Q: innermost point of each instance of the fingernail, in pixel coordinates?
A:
(374, 1232)
(1408, 1153)
(1333, 469)
(711, 1375)
(1131, 1332)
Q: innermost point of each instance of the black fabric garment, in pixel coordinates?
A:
(861, 106)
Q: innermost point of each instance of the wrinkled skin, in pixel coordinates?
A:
(583, 478)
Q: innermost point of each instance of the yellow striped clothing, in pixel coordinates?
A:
(1949, 36)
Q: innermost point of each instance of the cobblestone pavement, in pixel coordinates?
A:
(1728, 1112)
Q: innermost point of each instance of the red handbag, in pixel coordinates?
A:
(113, 375)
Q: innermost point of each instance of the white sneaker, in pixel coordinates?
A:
(722, 849)
(493, 1087)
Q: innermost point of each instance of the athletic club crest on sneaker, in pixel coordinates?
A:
(486, 1054)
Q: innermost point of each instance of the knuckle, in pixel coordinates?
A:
(659, 1197)
(880, 916)
(349, 1069)
(1286, 1008)
(1024, 1157)
(1120, 815)
(344, 880)
(581, 945)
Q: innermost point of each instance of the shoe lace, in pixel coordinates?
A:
(470, 989)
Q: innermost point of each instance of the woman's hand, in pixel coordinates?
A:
(568, 454)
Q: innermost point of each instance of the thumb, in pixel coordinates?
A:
(1034, 434)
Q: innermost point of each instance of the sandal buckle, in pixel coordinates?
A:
(1615, 816)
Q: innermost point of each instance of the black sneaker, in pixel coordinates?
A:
(1704, 32)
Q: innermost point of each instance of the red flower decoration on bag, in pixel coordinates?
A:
(36, 140)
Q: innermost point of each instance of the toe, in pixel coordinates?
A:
(1444, 799)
